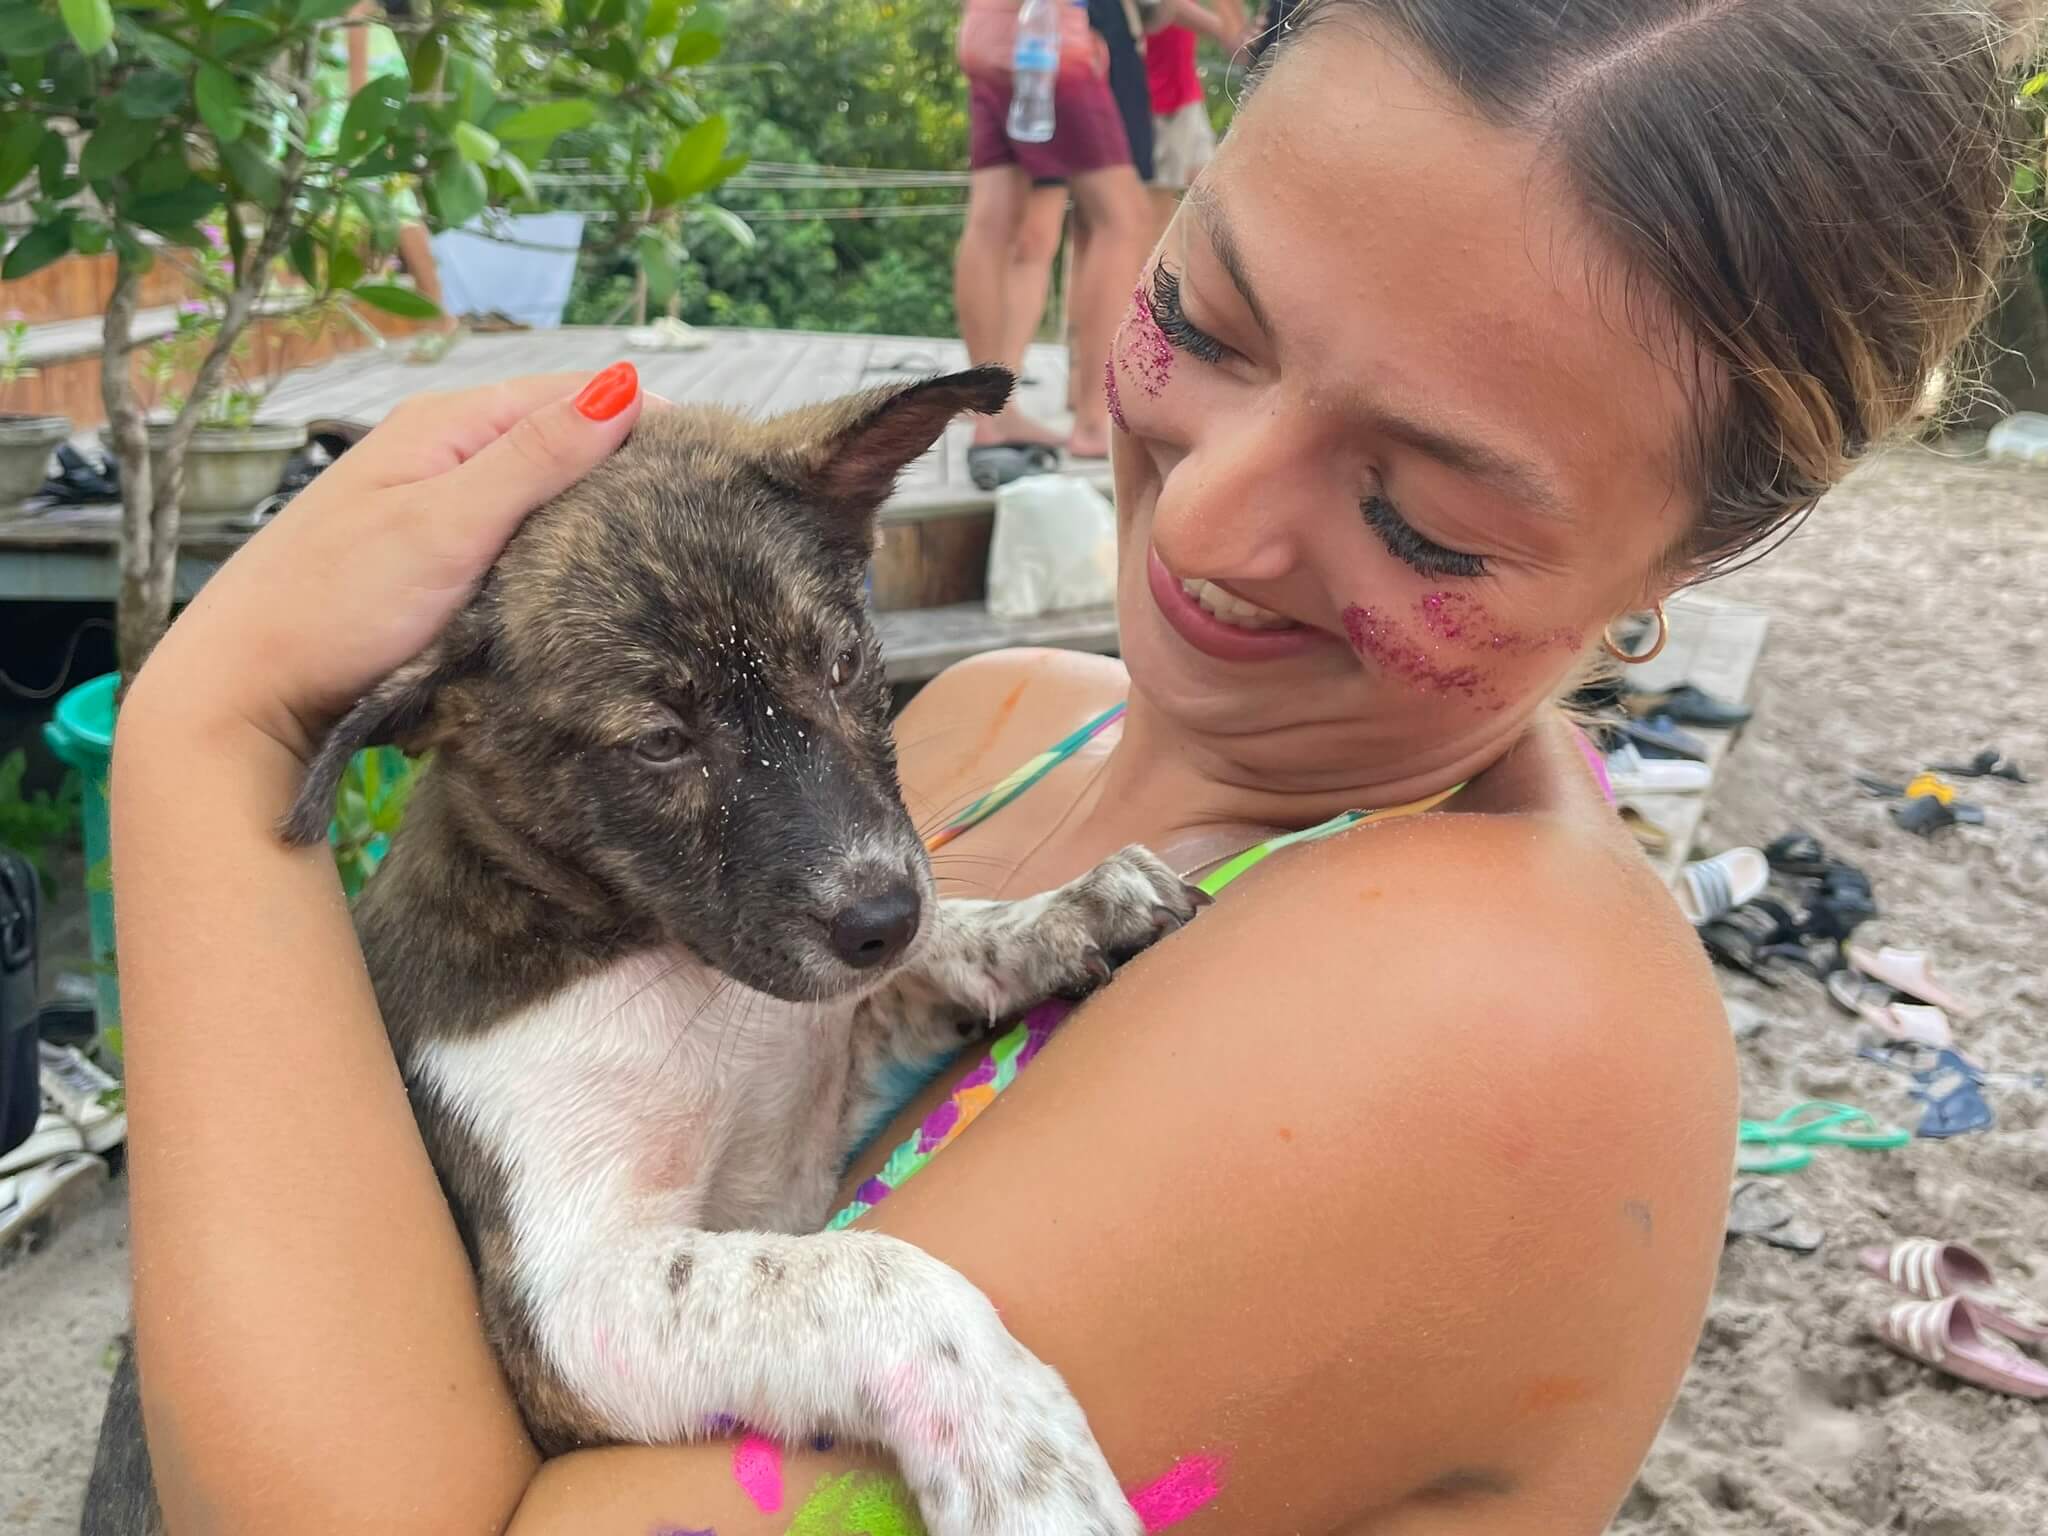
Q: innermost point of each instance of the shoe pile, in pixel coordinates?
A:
(65, 1157)
(1648, 743)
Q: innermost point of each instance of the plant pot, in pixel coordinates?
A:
(26, 443)
(81, 734)
(227, 469)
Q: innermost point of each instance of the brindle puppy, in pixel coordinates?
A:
(657, 934)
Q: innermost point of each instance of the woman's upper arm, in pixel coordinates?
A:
(1350, 1191)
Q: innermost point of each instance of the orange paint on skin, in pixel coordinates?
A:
(1286, 1134)
(1547, 1394)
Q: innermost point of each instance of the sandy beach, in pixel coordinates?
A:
(1909, 625)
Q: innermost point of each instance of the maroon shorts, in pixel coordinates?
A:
(1087, 134)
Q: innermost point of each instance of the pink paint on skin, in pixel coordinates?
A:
(757, 1468)
(1458, 616)
(1110, 395)
(1190, 1487)
(1378, 638)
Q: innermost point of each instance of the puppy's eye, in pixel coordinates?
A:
(661, 746)
(846, 666)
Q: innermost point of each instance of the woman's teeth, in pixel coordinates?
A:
(1234, 611)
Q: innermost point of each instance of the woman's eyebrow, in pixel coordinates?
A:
(1209, 215)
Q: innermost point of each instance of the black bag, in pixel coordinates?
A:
(20, 1098)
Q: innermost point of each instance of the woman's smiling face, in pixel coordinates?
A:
(1398, 438)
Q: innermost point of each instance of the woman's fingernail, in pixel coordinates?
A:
(610, 392)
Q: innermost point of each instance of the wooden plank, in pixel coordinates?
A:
(920, 644)
(1715, 644)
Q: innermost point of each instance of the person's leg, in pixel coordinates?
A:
(1113, 205)
(996, 198)
(416, 250)
(1032, 255)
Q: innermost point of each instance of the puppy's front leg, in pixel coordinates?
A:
(851, 1334)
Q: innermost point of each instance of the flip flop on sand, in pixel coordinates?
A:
(1711, 887)
(1950, 1336)
(1988, 764)
(1772, 1159)
(1931, 1269)
(1880, 1006)
(1759, 1210)
(1823, 1123)
(1907, 971)
(1955, 1106)
(1631, 773)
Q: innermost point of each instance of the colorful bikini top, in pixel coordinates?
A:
(1015, 1050)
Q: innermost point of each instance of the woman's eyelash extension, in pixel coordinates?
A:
(1163, 299)
(1412, 549)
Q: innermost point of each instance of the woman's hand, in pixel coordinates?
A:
(367, 564)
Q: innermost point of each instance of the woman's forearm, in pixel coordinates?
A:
(306, 1319)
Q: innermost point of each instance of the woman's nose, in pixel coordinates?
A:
(1234, 507)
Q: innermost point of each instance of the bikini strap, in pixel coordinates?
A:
(1026, 775)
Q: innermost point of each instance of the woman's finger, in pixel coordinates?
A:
(539, 456)
(429, 434)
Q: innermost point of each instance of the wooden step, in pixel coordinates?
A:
(78, 287)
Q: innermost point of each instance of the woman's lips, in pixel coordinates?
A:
(1216, 637)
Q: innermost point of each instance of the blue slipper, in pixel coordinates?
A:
(1955, 1104)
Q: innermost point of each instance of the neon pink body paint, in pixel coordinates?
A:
(1192, 1485)
(757, 1468)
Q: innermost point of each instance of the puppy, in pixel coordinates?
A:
(657, 934)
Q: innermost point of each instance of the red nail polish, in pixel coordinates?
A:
(610, 392)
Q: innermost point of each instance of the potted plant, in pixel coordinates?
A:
(26, 438)
(195, 114)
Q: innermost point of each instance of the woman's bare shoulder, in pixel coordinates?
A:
(981, 717)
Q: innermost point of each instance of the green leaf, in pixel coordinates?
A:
(161, 173)
(220, 102)
(370, 116)
(20, 143)
(320, 10)
(115, 145)
(658, 262)
(89, 237)
(546, 119)
(53, 165)
(661, 190)
(741, 231)
(695, 47)
(2026, 181)
(135, 256)
(693, 164)
(408, 303)
(470, 88)
(254, 172)
(615, 56)
(474, 144)
(711, 18)
(150, 93)
(300, 253)
(662, 16)
(426, 60)
(30, 29)
(2037, 84)
(171, 213)
(344, 267)
(459, 192)
(90, 22)
(234, 31)
(38, 248)
(512, 174)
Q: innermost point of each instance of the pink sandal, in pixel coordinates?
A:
(1905, 970)
(1934, 1270)
(1946, 1335)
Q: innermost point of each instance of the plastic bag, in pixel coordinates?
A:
(1054, 547)
(2022, 436)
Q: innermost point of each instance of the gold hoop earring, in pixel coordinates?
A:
(1663, 635)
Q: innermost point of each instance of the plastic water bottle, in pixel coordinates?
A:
(1034, 69)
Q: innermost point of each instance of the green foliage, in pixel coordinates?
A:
(35, 825)
(374, 791)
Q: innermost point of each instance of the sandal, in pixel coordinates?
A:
(994, 464)
(1759, 1210)
(1932, 1269)
(1946, 1335)
(1689, 705)
(1823, 1123)
(1907, 971)
(1879, 1006)
(1955, 1106)
(1711, 888)
(1988, 764)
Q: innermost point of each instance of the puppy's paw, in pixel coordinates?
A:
(1117, 910)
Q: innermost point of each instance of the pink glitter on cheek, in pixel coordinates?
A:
(1462, 618)
(1143, 348)
(1377, 638)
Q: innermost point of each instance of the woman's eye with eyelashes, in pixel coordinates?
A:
(1163, 299)
(1412, 549)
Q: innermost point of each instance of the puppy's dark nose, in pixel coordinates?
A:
(874, 930)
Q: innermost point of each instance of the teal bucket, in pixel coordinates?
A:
(82, 736)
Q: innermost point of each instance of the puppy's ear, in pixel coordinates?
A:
(852, 450)
(395, 712)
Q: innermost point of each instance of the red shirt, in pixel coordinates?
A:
(1170, 69)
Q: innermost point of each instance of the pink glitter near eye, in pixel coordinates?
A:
(1142, 346)
(1374, 636)
(1461, 617)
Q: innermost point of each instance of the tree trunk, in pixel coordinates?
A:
(143, 606)
(2017, 376)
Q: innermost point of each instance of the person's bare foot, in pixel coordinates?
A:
(1089, 442)
(1011, 425)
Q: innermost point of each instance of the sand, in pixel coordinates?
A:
(1909, 625)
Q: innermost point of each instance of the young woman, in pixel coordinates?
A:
(1387, 1197)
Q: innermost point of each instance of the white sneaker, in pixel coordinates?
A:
(1631, 773)
(76, 1085)
(52, 1136)
(47, 1189)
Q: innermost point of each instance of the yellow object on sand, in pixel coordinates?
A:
(1931, 784)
